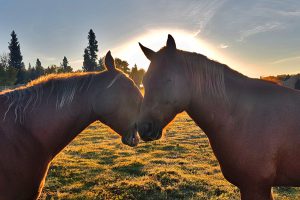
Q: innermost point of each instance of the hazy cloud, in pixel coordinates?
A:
(286, 59)
(289, 13)
(207, 12)
(223, 46)
(244, 34)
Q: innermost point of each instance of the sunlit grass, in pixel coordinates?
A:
(96, 165)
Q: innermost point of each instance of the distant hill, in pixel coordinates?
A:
(291, 81)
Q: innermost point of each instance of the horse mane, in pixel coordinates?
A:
(29, 96)
(206, 75)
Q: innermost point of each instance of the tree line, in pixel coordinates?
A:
(14, 72)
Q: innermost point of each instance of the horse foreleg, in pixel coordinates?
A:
(256, 193)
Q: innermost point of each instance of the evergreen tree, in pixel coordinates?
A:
(86, 60)
(93, 48)
(65, 66)
(15, 58)
(65, 62)
(39, 70)
(90, 53)
(38, 63)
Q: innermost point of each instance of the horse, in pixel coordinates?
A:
(252, 125)
(38, 120)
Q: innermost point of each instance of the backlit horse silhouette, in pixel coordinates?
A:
(253, 126)
(40, 119)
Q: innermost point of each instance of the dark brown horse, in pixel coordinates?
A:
(252, 125)
(39, 120)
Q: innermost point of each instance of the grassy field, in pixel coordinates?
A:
(96, 165)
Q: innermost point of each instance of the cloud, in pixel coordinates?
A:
(207, 12)
(223, 46)
(273, 26)
(286, 60)
(290, 13)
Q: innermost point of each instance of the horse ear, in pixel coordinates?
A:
(148, 52)
(171, 42)
(109, 62)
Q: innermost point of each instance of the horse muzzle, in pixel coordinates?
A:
(149, 132)
(132, 139)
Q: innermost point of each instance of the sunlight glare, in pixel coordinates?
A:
(156, 39)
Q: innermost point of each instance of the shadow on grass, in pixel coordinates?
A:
(168, 178)
(65, 175)
(177, 148)
(128, 191)
(107, 160)
(133, 169)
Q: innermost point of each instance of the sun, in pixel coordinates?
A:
(155, 39)
(185, 40)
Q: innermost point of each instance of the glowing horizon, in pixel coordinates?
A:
(156, 39)
(185, 40)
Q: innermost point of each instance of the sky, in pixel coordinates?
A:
(256, 38)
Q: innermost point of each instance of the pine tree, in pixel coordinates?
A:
(65, 66)
(93, 48)
(39, 70)
(15, 58)
(65, 62)
(86, 60)
(38, 63)
(90, 53)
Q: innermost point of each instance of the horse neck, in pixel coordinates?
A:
(213, 102)
(54, 124)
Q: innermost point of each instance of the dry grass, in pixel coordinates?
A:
(96, 165)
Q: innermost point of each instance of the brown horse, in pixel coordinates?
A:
(40, 119)
(252, 125)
